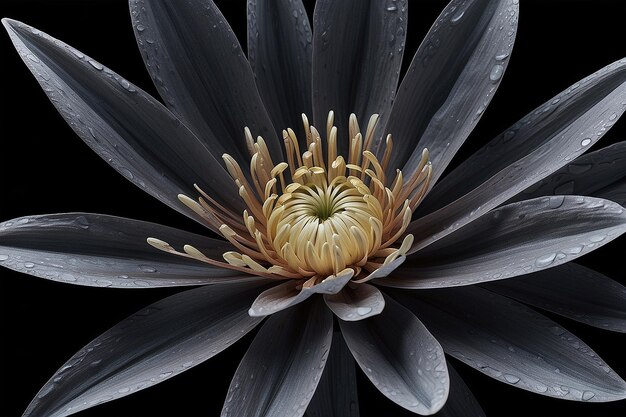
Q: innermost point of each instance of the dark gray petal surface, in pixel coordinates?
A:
(278, 375)
(151, 346)
(280, 52)
(401, 358)
(125, 126)
(549, 137)
(572, 291)
(107, 251)
(336, 394)
(586, 175)
(461, 402)
(513, 344)
(513, 240)
(451, 80)
(197, 64)
(357, 54)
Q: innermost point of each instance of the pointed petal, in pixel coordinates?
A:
(586, 175)
(291, 292)
(572, 291)
(451, 80)
(196, 63)
(155, 344)
(129, 129)
(513, 240)
(279, 373)
(461, 402)
(546, 139)
(336, 394)
(513, 344)
(401, 358)
(280, 53)
(356, 302)
(357, 54)
(107, 251)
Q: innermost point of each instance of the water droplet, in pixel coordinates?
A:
(3, 257)
(545, 260)
(140, 28)
(502, 57)
(123, 390)
(456, 18)
(496, 73)
(29, 265)
(165, 374)
(587, 395)
(96, 65)
(82, 222)
(147, 268)
(392, 8)
(511, 379)
(362, 311)
(586, 142)
(597, 238)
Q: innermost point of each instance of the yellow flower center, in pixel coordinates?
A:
(318, 213)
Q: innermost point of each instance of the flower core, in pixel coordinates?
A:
(318, 213)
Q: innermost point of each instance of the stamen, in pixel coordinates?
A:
(338, 212)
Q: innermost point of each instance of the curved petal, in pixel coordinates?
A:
(586, 175)
(292, 292)
(196, 63)
(556, 133)
(357, 54)
(356, 302)
(513, 344)
(281, 369)
(336, 394)
(572, 291)
(280, 53)
(536, 146)
(461, 402)
(129, 129)
(155, 344)
(107, 251)
(513, 240)
(451, 80)
(401, 358)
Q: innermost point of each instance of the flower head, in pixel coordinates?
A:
(328, 217)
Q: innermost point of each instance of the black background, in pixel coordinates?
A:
(45, 168)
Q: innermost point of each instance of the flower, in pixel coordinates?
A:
(472, 239)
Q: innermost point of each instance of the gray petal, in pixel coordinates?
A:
(357, 54)
(196, 63)
(280, 53)
(543, 141)
(401, 358)
(614, 192)
(356, 302)
(461, 402)
(572, 291)
(548, 139)
(129, 129)
(106, 251)
(290, 293)
(278, 375)
(586, 175)
(513, 240)
(336, 394)
(513, 344)
(450, 82)
(155, 344)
